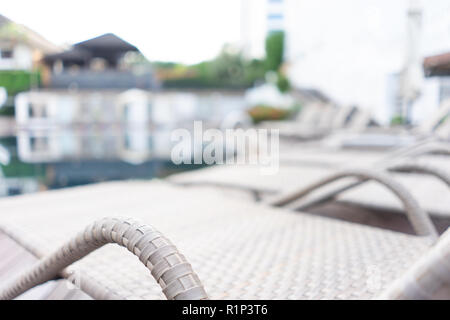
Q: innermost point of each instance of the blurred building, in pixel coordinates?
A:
(133, 108)
(258, 18)
(437, 65)
(435, 87)
(353, 50)
(98, 63)
(20, 47)
(103, 80)
(437, 72)
(275, 15)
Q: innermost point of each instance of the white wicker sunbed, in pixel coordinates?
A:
(427, 189)
(357, 133)
(431, 192)
(316, 121)
(238, 250)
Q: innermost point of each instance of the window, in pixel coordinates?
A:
(6, 54)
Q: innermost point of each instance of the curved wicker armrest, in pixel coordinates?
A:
(169, 267)
(419, 219)
(426, 149)
(416, 167)
(406, 166)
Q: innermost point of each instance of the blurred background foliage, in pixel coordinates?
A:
(398, 120)
(264, 112)
(229, 70)
(274, 51)
(268, 113)
(15, 81)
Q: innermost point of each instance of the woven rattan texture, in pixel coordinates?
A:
(239, 250)
(166, 264)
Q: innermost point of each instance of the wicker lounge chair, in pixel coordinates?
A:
(230, 250)
(317, 121)
(357, 134)
(444, 130)
(328, 118)
(385, 138)
(292, 154)
(308, 117)
(427, 179)
(349, 127)
(418, 159)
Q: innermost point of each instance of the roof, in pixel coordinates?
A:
(4, 20)
(74, 54)
(107, 46)
(106, 41)
(21, 32)
(437, 64)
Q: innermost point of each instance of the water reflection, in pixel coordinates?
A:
(46, 159)
(134, 146)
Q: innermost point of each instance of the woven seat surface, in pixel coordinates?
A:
(240, 250)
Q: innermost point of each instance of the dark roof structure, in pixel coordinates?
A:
(107, 46)
(83, 75)
(74, 55)
(106, 41)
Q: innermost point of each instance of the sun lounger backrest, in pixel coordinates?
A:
(435, 120)
(443, 131)
(326, 116)
(341, 117)
(360, 120)
(309, 115)
(428, 278)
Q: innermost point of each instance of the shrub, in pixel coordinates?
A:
(397, 120)
(264, 113)
(274, 50)
(16, 81)
(283, 83)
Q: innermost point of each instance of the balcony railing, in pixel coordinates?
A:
(108, 79)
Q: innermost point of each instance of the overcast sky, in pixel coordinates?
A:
(168, 30)
(194, 30)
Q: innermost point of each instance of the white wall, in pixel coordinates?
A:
(428, 101)
(253, 27)
(22, 59)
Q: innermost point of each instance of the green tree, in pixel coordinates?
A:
(275, 57)
(283, 83)
(274, 50)
(229, 70)
(16, 81)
